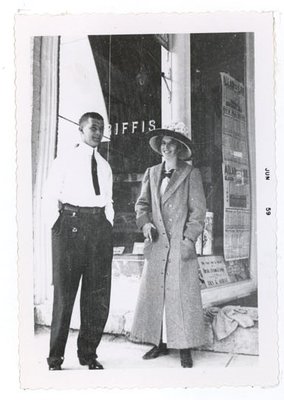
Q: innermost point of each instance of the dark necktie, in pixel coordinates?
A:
(167, 174)
(95, 176)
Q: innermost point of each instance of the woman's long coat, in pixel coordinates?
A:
(170, 274)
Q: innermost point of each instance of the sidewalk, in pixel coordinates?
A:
(117, 352)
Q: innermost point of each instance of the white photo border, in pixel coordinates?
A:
(27, 26)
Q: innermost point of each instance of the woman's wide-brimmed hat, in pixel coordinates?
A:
(178, 132)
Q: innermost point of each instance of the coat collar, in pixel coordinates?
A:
(183, 169)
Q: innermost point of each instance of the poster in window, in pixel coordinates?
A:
(235, 170)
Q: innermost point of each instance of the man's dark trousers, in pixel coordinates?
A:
(82, 247)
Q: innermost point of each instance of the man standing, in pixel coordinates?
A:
(79, 187)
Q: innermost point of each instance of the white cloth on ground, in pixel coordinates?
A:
(229, 318)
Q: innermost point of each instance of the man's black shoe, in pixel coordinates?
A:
(54, 368)
(95, 365)
(185, 358)
(156, 351)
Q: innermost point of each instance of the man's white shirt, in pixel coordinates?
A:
(70, 181)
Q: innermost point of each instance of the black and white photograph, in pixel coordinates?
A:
(146, 200)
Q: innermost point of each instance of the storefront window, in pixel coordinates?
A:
(219, 132)
(129, 69)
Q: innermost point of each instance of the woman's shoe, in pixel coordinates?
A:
(185, 358)
(156, 351)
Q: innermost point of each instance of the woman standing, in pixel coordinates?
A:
(170, 210)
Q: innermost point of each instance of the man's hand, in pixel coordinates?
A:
(147, 230)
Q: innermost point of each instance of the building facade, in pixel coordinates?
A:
(139, 83)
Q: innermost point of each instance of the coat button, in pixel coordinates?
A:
(74, 230)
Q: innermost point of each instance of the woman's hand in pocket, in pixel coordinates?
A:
(188, 249)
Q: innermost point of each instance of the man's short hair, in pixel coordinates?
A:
(88, 115)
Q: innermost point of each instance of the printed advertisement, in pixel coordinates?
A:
(213, 270)
(236, 184)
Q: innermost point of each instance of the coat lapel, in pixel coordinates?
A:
(157, 181)
(178, 176)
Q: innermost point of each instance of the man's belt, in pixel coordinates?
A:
(81, 210)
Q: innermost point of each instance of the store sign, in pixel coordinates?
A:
(213, 271)
(129, 127)
(118, 250)
(138, 248)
